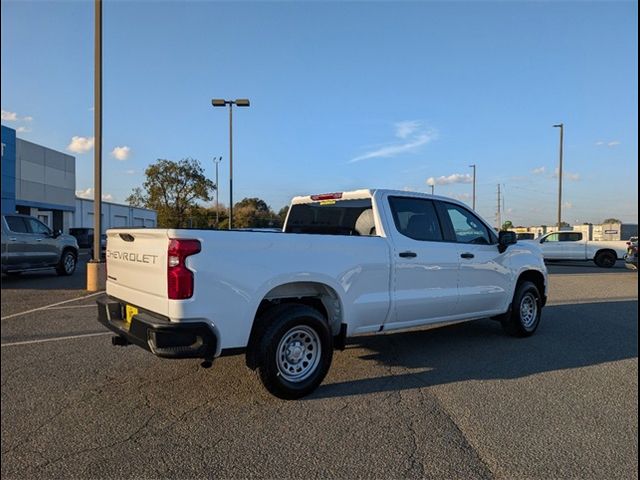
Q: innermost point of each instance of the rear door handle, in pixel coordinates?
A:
(466, 255)
(408, 254)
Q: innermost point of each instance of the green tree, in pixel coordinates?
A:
(282, 214)
(173, 190)
(611, 220)
(507, 225)
(253, 213)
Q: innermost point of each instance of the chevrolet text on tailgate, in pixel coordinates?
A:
(345, 264)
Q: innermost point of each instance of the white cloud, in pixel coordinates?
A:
(567, 205)
(414, 136)
(88, 193)
(14, 117)
(463, 197)
(538, 171)
(574, 177)
(406, 128)
(121, 153)
(9, 116)
(80, 144)
(22, 129)
(130, 172)
(453, 178)
(612, 143)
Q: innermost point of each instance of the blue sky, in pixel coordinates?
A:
(343, 96)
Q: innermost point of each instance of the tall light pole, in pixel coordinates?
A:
(94, 267)
(474, 186)
(217, 160)
(432, 189)
(239, 102)
(561, 127)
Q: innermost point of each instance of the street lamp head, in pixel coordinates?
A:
(218, 102)
(242, 102)
(560, 125)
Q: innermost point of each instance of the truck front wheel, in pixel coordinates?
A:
(295, 351)
(525, 311)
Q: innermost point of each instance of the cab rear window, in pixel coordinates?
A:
(333, 217)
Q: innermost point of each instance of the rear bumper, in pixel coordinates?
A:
(157, 334)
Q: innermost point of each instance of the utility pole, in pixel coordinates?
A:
(432, 189)
(95, 268)
(498, 214)
(474, 186)
(217, 160)
(561, 127)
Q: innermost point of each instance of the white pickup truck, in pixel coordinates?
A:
(568, 245)
(345, 264)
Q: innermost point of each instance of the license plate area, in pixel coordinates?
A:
(130, 311)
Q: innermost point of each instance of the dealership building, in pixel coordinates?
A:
(41, 182)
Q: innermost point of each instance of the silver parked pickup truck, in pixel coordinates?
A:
(28, 244)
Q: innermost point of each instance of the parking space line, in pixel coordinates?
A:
(73, 306)
(52, 305)
(55, 339)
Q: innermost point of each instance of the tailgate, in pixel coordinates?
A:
(137, 267)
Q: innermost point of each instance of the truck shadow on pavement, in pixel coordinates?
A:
(569, 336)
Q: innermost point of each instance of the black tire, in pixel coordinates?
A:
(605, 259)
(525, 317)
(67, 264)
(304, 333)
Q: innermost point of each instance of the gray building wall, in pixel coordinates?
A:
(114, 215)
(45, 178)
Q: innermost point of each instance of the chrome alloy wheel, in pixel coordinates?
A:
(528, 310)
(298, 353)
(69, 263)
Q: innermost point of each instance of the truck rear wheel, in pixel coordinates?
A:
(525, 311)
(295, 351)
(605, 259)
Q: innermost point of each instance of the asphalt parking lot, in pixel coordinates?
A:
(464, 401)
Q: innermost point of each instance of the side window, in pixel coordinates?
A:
(554, 237)
(37, 226)
(467, 228)
(570, 237)
(16, 224)
(416, 218)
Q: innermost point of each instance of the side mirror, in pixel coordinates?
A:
(56, 233)
(505, 239)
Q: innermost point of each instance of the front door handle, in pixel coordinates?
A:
(13, 239)
(466, 255)
(408, 254)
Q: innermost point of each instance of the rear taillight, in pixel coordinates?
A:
(179, 277)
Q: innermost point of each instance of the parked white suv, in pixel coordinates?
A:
(345, 264)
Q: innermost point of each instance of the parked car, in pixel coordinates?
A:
(631, 257)
(83, 235)
(525, 236)
(345, 264)
(572, 246)
(28, 244)
(103, 245)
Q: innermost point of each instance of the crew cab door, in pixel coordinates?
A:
(572, 245)
(42, 245)
(424, 267)
(552, 248)
(484, 281)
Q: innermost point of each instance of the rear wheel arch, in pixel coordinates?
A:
(319, 296)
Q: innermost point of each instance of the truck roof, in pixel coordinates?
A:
(364, 193)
